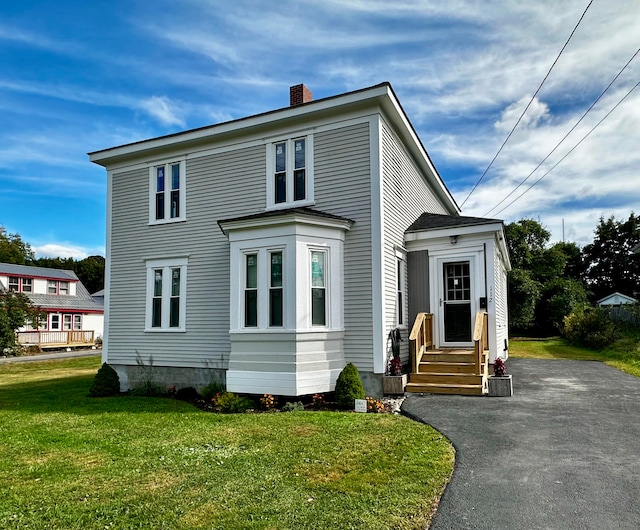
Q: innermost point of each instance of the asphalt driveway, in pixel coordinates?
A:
(562, 453)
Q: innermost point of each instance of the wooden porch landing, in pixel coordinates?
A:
(449, 372)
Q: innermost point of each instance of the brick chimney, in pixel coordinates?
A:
(298, 95)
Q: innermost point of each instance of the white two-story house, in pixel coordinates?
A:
(70, 315)
(269, 251)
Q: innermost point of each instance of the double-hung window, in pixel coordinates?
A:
(27, 285)
(167, 183)
(52, 287)
(318, 288)
(251, 291)
(290, 172)
(401, 282)
(166, 295)
(275, 289)
(63, 288)
(14, 283)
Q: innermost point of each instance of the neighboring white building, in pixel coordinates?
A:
(616, 299)
(270, 251)
(72, 316)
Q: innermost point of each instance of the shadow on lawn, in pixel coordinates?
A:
(71, 395)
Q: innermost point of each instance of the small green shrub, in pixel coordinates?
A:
(187, 393)
(293, 407)
(231, 403)
(349, 387)
(105, 383)
(592, 328)
(213, 388)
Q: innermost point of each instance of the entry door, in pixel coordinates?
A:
(456, 303)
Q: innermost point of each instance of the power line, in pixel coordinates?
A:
(567, 134)
(572, 149)
(527, 107)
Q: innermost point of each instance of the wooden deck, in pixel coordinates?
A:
(56, 339)
(448, 371)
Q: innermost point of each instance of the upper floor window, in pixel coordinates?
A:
(52, 287)
(167, 184)
(166, 295)
(290, 172)
(63, 288)
(14, 283)
(27, 285)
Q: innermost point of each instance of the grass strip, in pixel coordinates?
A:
(68, 461)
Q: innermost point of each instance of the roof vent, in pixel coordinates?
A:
(298, 95)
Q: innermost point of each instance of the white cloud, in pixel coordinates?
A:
(164, 110)
(535, 114)
(60, 250)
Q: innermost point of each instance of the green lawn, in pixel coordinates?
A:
(624, 354)
(68, 461)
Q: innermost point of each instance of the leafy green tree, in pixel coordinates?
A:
(526, 239)
(560, 297)
(611, 265)
(575, 267)
(91, 272)
(15, 312)
(524, 294)
(13, 249)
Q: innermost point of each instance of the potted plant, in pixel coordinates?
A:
(394, 381)
(500, 384)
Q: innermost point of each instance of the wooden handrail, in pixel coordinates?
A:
(421, 338)
(481, 341)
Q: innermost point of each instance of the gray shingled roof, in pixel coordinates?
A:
(431, 221)
(281, 213)
(38, 272)
(81, 302)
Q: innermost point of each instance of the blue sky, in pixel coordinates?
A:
(79, 76)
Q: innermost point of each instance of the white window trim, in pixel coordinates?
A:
(327, 288)
(166, 265)
(401, 260)
(263, 287)
(309, 199)
(167, 199)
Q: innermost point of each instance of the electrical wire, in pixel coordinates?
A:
(572, 149)
(527, 107)
(566, 135)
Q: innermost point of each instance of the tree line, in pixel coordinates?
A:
(549, 282)
(89, 270)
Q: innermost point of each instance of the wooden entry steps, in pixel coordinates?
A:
(448, 372)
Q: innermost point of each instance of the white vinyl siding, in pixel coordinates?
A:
(406, 195)
(343, 187)
(500, 294)
(223, 185)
